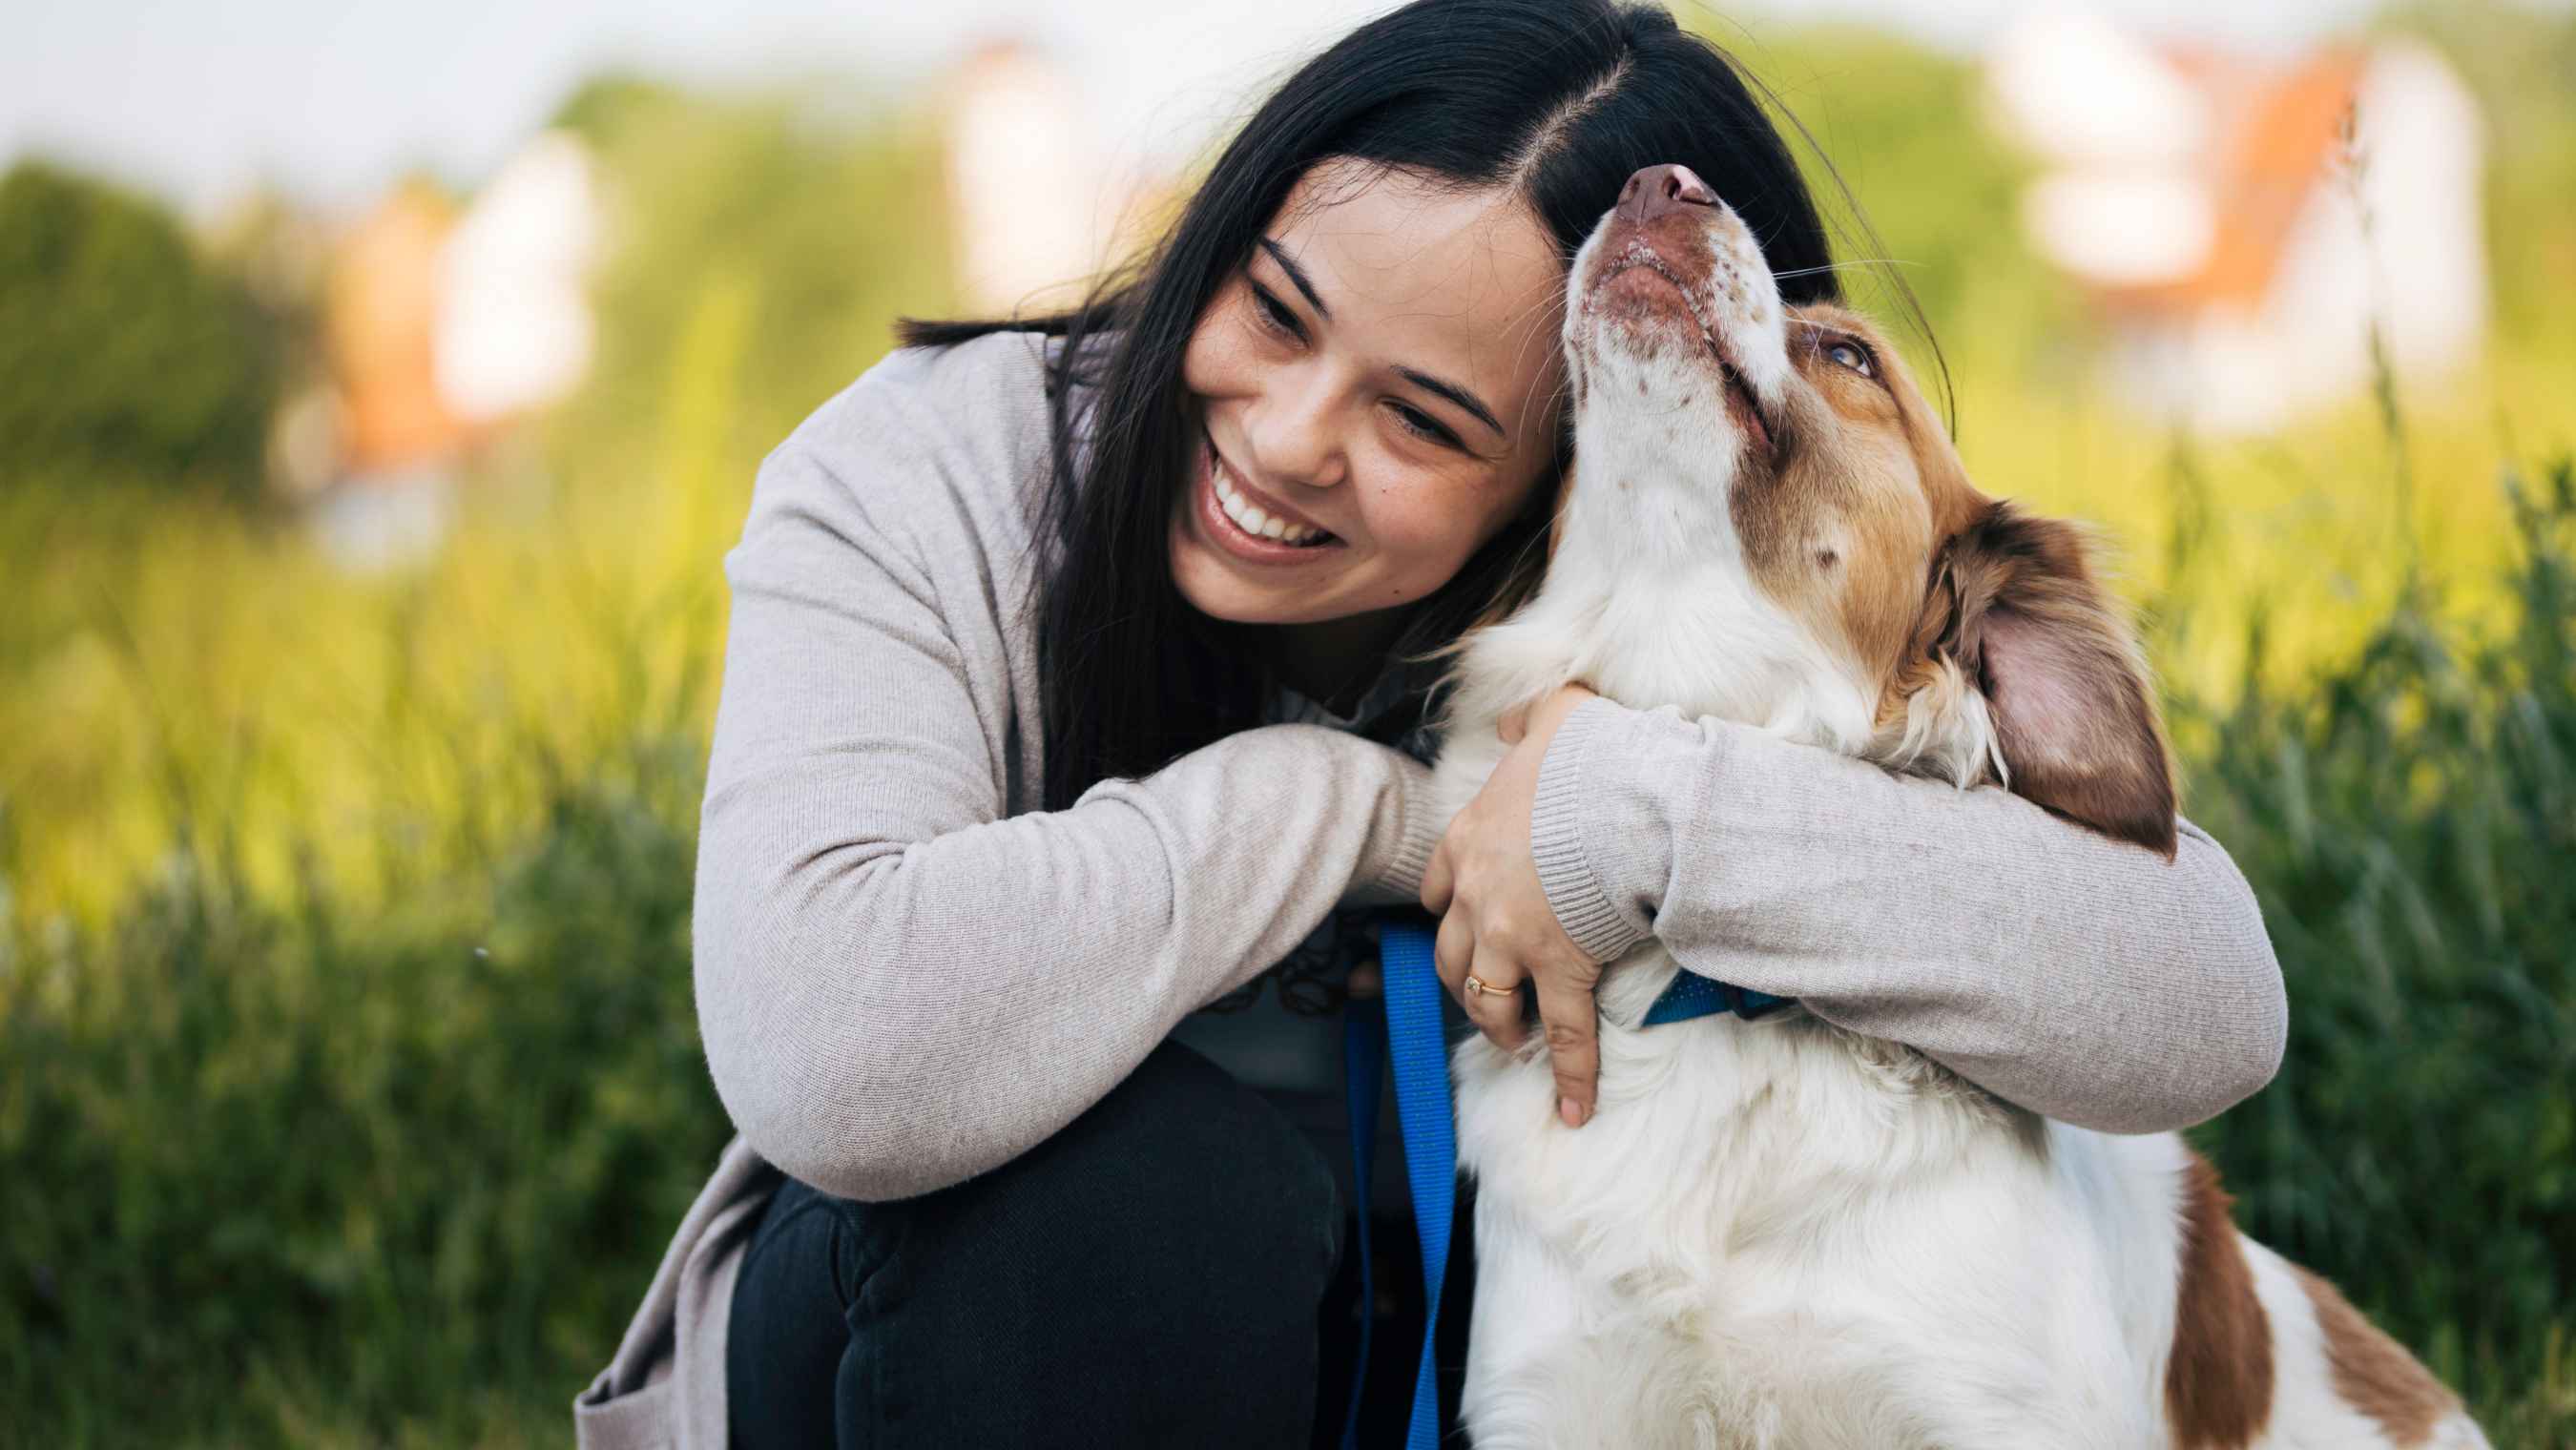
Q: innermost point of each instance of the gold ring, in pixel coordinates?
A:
(1480, 986)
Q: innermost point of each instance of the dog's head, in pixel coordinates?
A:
(1783, 453)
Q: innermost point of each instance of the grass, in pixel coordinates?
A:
(349, 1083)
(2407, 820)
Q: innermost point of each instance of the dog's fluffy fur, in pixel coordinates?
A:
(1776, 1233)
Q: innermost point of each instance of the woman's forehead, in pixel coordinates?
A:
(1421, 273)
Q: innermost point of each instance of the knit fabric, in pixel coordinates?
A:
(907, 973)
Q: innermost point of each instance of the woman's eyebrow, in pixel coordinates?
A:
(1297, 275)
(1457, 395)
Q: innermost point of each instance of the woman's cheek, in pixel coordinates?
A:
(1426, 545)
(1213, 363)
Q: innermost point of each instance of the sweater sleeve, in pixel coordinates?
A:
(899, 984)
(2083, 978)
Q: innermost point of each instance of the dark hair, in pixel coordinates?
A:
(1560, 100)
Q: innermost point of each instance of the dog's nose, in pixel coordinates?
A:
(1662, 190)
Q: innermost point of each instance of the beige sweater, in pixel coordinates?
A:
(907, 973)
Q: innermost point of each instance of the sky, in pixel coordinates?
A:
(201, 99)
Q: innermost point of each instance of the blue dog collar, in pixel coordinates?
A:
(1692, 995)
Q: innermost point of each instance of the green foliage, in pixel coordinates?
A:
(122, 354)
(2408, 820)
(354, 1159)
(363, 1113)
(828, 224)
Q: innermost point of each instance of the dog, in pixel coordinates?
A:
(1801, 1237)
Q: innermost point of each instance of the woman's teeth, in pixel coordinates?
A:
(1249, 517)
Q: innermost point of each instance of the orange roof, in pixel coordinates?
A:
(380, 304)
(2275, 146)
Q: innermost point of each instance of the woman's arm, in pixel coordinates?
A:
(2081, 977)
(899, 986)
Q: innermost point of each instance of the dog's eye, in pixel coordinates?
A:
(1852, 355)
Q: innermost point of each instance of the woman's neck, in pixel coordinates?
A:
(1334, 661)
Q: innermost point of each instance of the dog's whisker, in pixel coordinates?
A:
(1847, 264)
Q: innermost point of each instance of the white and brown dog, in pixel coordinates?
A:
(1801, 1237)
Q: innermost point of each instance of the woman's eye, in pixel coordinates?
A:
(1852, 356)
(1422, 425)
(1275, 314)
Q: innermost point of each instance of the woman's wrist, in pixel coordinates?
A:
(1401, 838)
(1562, 832)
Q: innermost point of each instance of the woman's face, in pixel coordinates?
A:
(1378, 393)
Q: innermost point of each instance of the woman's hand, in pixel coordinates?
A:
(1495, 921)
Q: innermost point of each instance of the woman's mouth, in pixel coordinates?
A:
(1237, 522)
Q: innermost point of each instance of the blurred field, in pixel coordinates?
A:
(348, 1077)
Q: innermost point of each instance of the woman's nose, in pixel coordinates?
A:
(1292, 438)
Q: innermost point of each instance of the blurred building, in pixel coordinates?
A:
(379, 305)
(513, 330)
(2244, 225)
(1035, 209)
(441, 324)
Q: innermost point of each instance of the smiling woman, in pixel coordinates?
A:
(1075, 684)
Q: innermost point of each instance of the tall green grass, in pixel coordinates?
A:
(2409, 822)
(358, 1112)
(277, 1170)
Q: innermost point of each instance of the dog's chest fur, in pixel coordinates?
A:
(1772, 1233)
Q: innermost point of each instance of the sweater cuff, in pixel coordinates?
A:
(1595, 919)
(1408, 827)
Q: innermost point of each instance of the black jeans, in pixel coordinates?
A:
(1167, 1270)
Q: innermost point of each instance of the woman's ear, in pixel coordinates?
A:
(2072, 713)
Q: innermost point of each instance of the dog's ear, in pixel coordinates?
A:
(2066, 693)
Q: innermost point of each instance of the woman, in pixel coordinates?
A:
(1064, 668)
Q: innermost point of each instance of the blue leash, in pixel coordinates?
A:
(1363, 1062)
(1409, 1031)
(1420, 1052)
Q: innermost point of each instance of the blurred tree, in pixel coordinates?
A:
(123, 354)
(1921, 195)
(818, 210)
(605, 106)
(2520, 62)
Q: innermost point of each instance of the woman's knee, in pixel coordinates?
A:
(1181, 1177)
(788, 1328)
(1150, 1274)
